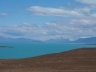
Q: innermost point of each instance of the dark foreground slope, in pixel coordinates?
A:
(79, 60)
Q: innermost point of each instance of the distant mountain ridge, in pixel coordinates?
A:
(3, 39)
(86, 40)
(57, 40)
(80, 40)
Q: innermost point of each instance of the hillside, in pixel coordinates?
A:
(79, 60)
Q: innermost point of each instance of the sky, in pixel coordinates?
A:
(48, 19)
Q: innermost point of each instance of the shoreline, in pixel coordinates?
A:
(81, 60)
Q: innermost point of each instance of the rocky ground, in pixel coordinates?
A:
(79, 60)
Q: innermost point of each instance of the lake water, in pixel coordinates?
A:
(25, 50)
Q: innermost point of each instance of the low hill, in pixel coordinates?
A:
(79, 60)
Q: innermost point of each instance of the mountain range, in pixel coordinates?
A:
(3, 39)
(58, 40)
(86, 40)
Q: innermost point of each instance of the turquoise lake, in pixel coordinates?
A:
(25, 50)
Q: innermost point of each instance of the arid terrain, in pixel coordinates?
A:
(78, 60)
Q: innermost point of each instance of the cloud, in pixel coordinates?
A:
(48, 11)
(77, 12)
(92, 2)
(4, 14)
(71, 29)
(81, 23)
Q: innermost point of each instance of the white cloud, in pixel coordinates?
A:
(77, 12)
(82, 23)
(72, 29)
(4, 14)
(84, 9)
(87, 1)
(93, 15)
(47, 11)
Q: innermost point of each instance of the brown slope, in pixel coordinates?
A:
(79, 60)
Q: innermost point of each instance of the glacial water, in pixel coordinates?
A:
(25, 50)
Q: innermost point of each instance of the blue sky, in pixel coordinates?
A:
(18, 13)
(47, 19)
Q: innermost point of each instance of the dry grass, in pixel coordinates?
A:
(79, 60)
